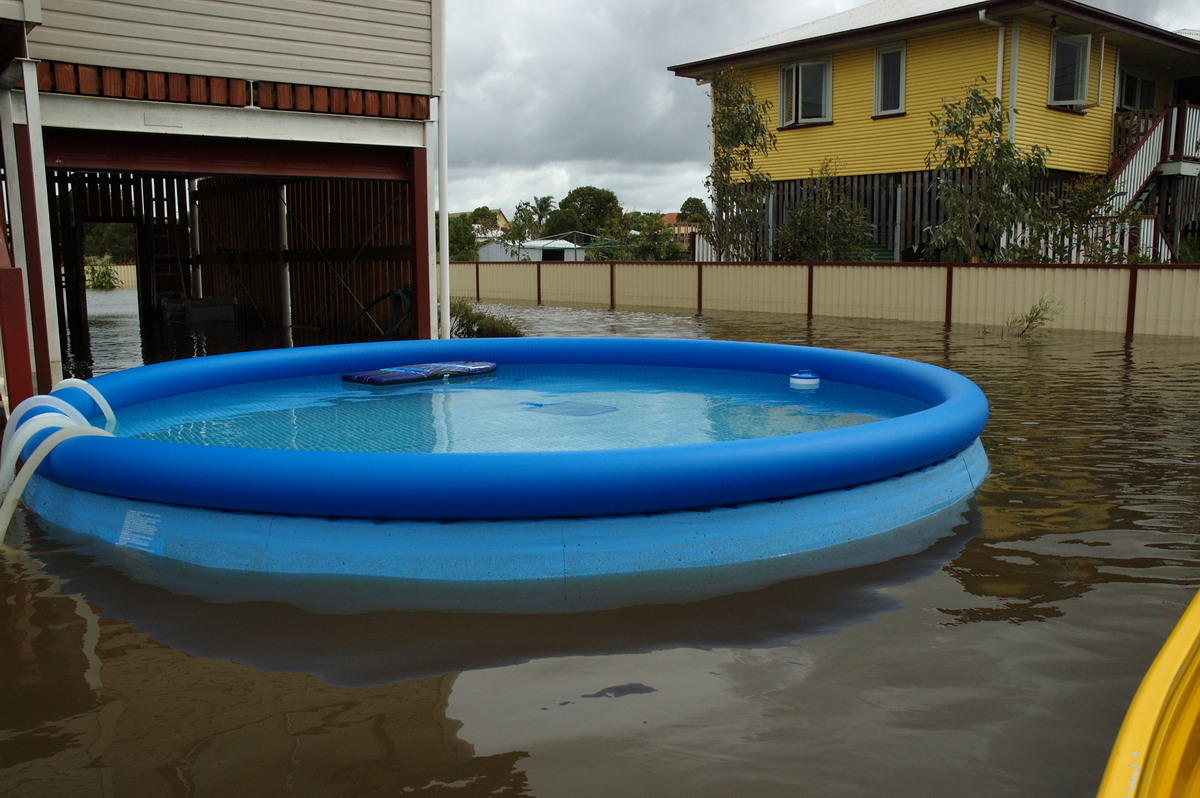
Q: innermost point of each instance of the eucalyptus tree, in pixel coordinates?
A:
(985, 181)
(522, 227)
(737, 188)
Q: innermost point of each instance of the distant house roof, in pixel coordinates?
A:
(885, 19)
(549, 243)
(502, 222)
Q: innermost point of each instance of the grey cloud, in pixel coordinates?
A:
(579, 91)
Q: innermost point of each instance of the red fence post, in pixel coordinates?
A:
(949, 312)
(612, 285)
(1131, 301)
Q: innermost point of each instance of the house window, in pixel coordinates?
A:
(1069, 70)
(804, 93)
(889, 79)
(1138, 93)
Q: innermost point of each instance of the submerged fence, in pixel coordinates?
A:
(1153, 299)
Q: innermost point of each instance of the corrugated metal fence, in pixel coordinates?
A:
(1154, 299)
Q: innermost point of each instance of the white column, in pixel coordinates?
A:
(40, 202)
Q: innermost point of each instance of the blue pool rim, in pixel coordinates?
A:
(548, 565)
(518, 485)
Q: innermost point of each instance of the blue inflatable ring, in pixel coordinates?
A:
(453, 486)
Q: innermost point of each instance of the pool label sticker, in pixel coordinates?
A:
(139, 530)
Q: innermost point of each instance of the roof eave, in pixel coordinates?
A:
(702, 69)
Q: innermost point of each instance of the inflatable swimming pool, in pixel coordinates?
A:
(513, 530)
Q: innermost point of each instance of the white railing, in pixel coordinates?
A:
(1133, 175)
(1174, 136)
(1191, 132)
(1097, 241)
(1152, 244)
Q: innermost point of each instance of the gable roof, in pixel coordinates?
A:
(886, 19)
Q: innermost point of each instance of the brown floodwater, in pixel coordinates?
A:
(997, 663)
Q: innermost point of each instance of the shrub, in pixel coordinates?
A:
(467, 321)
(1038, 316)
(100, 272)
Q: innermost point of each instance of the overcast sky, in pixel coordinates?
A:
(548, 95)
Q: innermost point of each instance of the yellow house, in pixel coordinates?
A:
(1103, 93)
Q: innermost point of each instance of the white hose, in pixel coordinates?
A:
(9, 506)
(10, 454)
(52, 402)
(110, 418)
(67, 421)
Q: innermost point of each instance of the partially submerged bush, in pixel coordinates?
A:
(100, 272)
(1044, 311)
(467, 321)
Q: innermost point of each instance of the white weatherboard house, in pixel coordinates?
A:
(270, 152)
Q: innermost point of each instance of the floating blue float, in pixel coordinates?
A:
(514, 531)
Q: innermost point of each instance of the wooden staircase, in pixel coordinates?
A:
(1171, 147)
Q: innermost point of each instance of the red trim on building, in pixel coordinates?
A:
(110, 151)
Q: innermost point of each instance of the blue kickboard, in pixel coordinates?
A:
(420, 372)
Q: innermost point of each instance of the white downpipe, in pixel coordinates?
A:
(443, 181)
(1014, 58)
(443, 223)
(999, 50)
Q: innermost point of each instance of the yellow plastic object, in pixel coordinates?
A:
(1157, 753)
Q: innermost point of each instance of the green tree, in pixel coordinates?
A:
(598, 209)
(646, 237)
(825, 224)
(521, 228)
(693, 210)
(463, 244)
(561, 222)
(985, 181)
(737, 189)
(484, 218)
(114, 239)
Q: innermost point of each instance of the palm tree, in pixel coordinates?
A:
(542, 208)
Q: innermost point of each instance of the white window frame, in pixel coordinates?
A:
(1083, 45)
(790, 93)
(880, 53)
(1141, 103)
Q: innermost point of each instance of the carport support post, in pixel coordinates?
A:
(25, 165)
(285, 275)
(196, 273)
(14, 297)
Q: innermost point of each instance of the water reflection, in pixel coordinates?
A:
(998, 663)
(376, 648)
